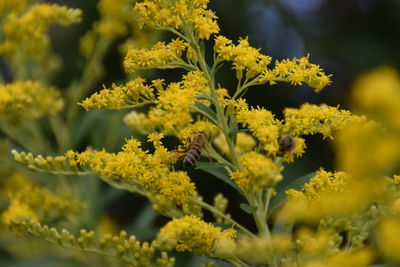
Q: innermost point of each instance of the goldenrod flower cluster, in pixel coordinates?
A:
(258, 172)
(172, 114)
(194, 235)
(189, 17)
(313, 119)
(249, 59)
(26, 32)
(160, 55)
(133, 94)
(27, 100)
(134, 167)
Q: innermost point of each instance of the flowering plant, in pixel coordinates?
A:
(342, 218)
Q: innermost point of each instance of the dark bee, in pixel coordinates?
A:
(198, 141)
(286, 144)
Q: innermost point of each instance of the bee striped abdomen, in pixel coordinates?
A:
(194, 149)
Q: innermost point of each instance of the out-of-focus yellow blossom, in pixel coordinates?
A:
(314, 244)
(189, 17)
(27, 34)
(133, 94)
(172, 113)
(260, 250)
(47, 204)
(244, 143)
(370, 150)
(17, 209)
(319, 197)
(259, 172)
(159, 56)
(377, 95)
(191, 234)
(221, 204)
(358, 258)
(115, 18)
(126, 248)
(367, 150)
(356, 227)
(332, 196)
(313, 119)
(7, 6)
(27, 100)
(387, 238)
(115, 21)
(107, 225)
(15, 182)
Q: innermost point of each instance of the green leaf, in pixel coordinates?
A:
(223, 226)
(233, 129)
(202, 47)
(207, 111)
(281, 195)
(218, 170)
(247, 208)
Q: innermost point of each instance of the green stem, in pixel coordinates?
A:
(215, 155)
(245, 86)
(214, 210)
(219, 109)
(237, 262)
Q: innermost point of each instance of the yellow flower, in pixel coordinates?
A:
(191, 234)
(28, 32)
(133, 94)
(297, 71)
(387, 238)
(17, 210)
(244, 143)
(183, 15)
(27, 100)
(141, 170)
(261, 124)
(160, 55)
(258, 172)
(172, 114)
(377, 95)
(313, 119)
(7, 6)
(243, 56)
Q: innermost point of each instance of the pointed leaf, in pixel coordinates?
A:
(207, 111)
(247, 208)
(218, 170)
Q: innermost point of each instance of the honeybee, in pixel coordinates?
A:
(286, 144)
(197, 143)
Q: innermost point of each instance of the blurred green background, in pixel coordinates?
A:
(345, 38)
